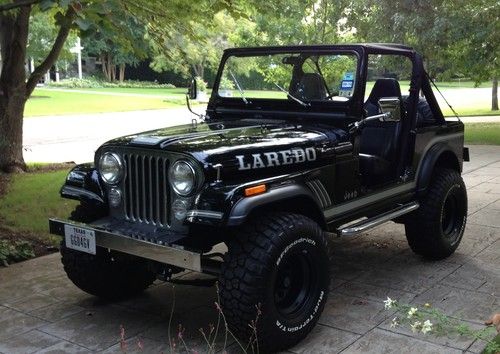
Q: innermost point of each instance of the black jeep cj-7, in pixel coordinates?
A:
(296, 141)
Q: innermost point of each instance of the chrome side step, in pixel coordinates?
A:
(370, 223)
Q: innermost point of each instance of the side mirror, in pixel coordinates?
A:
(392, 106)
(192, 90)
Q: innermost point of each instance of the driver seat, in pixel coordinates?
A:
(379, 140)
(309, 87)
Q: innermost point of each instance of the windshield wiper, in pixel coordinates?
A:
(302, 103)
(239, 87)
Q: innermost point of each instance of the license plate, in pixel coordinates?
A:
(79, 239)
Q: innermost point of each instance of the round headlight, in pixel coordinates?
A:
(110, 168)
(182, 177)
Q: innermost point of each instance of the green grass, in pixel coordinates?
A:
(31, 199)
(482, 133)
(52, 102)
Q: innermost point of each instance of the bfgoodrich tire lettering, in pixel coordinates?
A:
(110, 275)
(436, 228)
(276, 272)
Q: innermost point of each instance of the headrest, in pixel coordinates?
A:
(384, 88)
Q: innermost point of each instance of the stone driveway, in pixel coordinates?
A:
(41, 311)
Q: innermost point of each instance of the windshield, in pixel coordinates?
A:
(299, 77)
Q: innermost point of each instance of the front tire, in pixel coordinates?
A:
(436, 228)
(276, 276)
(107, 274)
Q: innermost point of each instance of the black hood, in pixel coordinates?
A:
(234, 144)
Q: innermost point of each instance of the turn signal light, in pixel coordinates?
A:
(261, 188)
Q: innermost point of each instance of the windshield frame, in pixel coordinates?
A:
(283, 104)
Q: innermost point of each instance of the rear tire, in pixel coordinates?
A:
(276, 273)
(436, 228)
(107, 274)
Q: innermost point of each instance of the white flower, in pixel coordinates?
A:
(415, 327)
(426, 327)
(389, 303)
(394, 322)
(412, 311)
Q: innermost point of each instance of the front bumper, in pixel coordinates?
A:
(115, 241)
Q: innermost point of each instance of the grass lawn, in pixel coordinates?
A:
(31, 199)
(482, 133)
(52, 102)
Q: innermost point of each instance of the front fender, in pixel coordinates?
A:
(291, 197)
(84, 184)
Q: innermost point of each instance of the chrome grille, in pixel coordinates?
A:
(146, 189)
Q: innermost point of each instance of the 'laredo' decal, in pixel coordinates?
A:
(276, 158)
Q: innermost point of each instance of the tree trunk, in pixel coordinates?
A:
(104, 67)
(122, 72)
(13, 41)
(112, 69)
(494, 95)
(11, 128)
(14, 88)
(196, 69)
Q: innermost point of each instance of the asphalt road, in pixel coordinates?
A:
(76, 137)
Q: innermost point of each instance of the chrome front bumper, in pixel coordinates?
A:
(118, 242)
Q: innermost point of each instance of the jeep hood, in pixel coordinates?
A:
(234, 144)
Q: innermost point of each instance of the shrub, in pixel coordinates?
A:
(92, 82)
(200, 84)
(15, 251)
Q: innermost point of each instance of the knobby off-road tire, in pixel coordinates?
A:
(436, 228)
(276, 273)
(108, 275)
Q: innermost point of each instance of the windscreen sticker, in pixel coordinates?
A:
(346, 84)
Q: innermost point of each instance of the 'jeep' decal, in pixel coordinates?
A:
(276, 158)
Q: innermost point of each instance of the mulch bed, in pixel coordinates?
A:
(40, 248)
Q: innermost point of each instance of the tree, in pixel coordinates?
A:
(101, 41)
(455, 37)
(16, 87)
(476, 53)
(192, 54)
(42, 29)
(303, 22)
(187, 54)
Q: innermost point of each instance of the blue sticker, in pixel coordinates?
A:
(346, 84)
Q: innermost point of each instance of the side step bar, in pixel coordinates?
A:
(370, 223)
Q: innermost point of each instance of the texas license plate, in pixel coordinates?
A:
(80, 239)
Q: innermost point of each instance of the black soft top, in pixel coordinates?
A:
(385, 48)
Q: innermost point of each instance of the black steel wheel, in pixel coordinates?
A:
(276, 273)
(436, 228)
(107, 274)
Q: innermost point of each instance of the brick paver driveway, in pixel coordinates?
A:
(41, 311)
